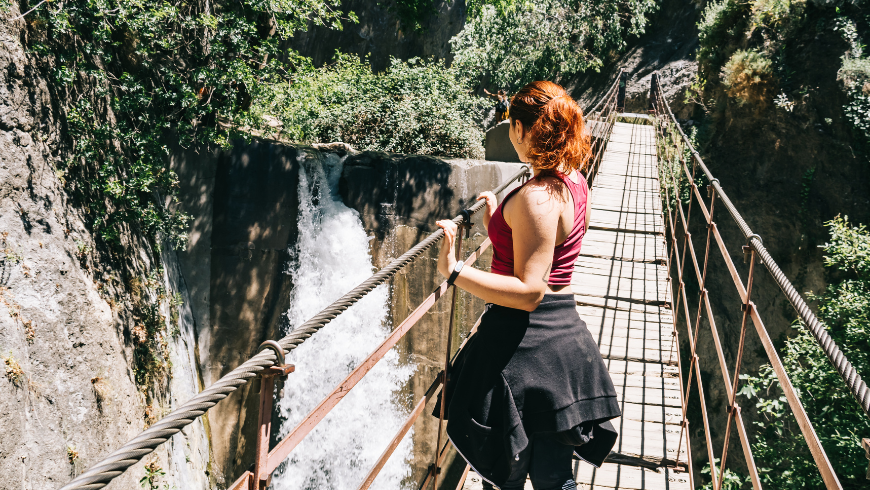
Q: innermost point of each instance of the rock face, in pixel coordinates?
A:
(668, 46)
(381, 35)
(498, 144)
(67, 394)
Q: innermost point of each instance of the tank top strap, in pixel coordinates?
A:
(577, 189)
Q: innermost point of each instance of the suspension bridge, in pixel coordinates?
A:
(629, 288)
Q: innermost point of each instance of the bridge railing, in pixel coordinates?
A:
(670, 137)
(268, 364)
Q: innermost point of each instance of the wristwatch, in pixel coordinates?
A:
(455, 273)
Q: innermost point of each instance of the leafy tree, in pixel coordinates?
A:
(513, 43)
(417, 106)
(844, 308)
(131, 72)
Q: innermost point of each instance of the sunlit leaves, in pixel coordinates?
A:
(416, 106)
(513, 43)
(138, 73)
(844, 307)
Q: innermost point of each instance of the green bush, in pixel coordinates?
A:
(748, 77)
(418, 106)
(777, 16)
(855, 75)
(722, 23)
(844, 308)
(513, 43)
(129, 75)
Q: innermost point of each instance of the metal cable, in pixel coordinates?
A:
(853, 380)
(116, 463)
(607, 95)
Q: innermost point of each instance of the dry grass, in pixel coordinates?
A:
(72, 455)
(748, 77)
(102, 392)
(14, 373)
(140, 334)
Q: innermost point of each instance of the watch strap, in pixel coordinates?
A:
(455, 273)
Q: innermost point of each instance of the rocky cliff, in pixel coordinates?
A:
(71, 313)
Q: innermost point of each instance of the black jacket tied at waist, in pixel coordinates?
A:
(524, 374)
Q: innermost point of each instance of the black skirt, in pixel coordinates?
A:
(524, 374)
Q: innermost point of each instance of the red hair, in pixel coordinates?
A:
(554, 122)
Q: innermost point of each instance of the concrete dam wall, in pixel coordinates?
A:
(246, 250)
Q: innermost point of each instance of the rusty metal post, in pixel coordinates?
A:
(653, 91)
(261, 476)
(733, 409)
(620, 94)
(435, 468)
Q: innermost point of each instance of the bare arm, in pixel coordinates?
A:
(491, 206)
(534, 218)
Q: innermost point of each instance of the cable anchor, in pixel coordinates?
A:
(710, 188)
(748, 248)
(466, 221)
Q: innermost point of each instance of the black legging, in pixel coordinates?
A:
(546, 461)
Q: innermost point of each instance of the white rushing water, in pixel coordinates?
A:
(330, 258)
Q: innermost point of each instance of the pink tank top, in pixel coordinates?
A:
(565, 253)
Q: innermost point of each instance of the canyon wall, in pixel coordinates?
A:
(69, 310)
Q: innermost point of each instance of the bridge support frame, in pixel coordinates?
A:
(258, 477)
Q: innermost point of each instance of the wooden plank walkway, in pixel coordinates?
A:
(620, 284)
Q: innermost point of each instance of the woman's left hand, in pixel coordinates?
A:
(447, 257)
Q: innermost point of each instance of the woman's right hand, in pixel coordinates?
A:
(491, 206)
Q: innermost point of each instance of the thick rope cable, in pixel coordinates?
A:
(836, 357)
(130, 453)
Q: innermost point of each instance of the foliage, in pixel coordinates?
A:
(135, 72)
(151, 335)
(417, 106)
(153, 472)
(855, 75)
(720, 24)
(844, 308)
(412, 13)
(526, 41)
(14, 372)
(748, 77)
(730, 481)
(776, 17)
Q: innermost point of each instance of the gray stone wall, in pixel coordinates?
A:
(67, 390)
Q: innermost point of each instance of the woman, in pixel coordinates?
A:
(501, 107)
(530, 387)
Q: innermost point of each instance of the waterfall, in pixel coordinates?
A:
(331, 257)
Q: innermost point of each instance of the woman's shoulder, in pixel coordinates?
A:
(539, 195)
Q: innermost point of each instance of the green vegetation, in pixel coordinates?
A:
(855, 75)
(416, 106)
(153, 472)
(844, 308)
(412, 13)
(510, 44)
(748, 77)
(137, 75)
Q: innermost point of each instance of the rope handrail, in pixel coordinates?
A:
(100, 474)
(847, 372)
(664, 123)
